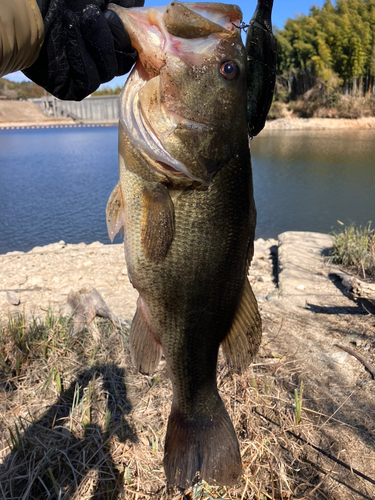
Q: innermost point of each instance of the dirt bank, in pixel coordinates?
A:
(26, 114)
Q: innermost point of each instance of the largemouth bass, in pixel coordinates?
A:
(185, 203)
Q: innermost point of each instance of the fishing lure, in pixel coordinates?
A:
(261, 66)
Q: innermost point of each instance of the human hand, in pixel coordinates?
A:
(84, 46)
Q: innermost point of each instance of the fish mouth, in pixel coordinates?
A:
(158, 33)
(140, 131)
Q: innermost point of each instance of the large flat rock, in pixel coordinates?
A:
(302, 265)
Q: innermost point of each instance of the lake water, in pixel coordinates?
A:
(307, 180)
(55, 183)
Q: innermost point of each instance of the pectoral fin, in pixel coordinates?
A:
(115, 212)
(243, 339)
(145, 348)
(157, 223)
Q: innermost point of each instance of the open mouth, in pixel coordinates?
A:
(142, 134)
(156, 33)
(140, 131)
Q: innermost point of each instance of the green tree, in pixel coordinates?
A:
(333, 44)
(108, 91)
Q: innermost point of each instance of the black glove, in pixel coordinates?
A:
(84, 46)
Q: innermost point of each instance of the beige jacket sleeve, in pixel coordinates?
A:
(21, 34)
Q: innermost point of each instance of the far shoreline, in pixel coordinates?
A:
(16, 115)
(279, 124)
(289, 123)
(54, 124)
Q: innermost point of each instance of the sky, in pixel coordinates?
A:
(282, 10)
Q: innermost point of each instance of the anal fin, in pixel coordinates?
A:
(243, 339)
(145, 349)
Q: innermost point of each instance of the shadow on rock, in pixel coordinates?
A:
(360, 306)
(335, 309)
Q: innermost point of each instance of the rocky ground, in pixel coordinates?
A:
(43, 277)
(290, 278)
(306, 317)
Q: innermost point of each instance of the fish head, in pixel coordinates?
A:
(183, 107)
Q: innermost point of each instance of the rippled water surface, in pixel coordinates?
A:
(307, 180)
(55, 183)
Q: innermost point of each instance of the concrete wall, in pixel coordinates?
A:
(100, 109)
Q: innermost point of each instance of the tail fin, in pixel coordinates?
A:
(204, 444)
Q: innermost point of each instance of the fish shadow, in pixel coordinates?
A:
(50, 459)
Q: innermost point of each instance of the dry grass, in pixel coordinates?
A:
(318, 103)
(78, 422)
(354, 248)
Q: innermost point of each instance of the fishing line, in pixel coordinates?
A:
(242, 26)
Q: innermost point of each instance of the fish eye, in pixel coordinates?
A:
(229, 70)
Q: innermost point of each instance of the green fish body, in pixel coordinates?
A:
(185, 202)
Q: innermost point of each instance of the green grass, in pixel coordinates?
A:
(298, 399)
(354, 247)
(30, 340)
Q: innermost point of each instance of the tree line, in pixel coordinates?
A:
(30, 90)
(23, 90)
(333, 45)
